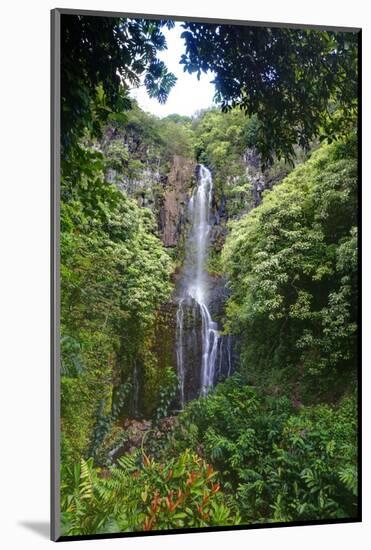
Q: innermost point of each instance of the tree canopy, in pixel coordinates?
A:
(300, 83)
(100, 58)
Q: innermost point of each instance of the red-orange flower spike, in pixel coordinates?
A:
(191, 478)
(215, 487)
(148, 524)
(155, 501)
(170, 504)
(209, 470)
(169, 475)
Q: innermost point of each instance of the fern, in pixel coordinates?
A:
(86, 479)
(128, 462)
(349, 477)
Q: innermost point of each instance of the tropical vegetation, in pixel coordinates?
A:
(277, 440)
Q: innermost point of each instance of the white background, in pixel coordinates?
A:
(24, 271)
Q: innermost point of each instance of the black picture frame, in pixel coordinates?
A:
(56, 15)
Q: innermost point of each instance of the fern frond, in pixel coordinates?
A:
(349, 476)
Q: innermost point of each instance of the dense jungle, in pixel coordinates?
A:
(208, 279)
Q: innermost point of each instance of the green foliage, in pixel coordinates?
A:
(104, 422)
(177, 138)
(300, 83)
(71, 357)
(144, 141)
(280, 463)
(115, 274)
(101, 57)
(214, 263)
(292, 266)
(142, 495)
(221, 139)
(167, 393)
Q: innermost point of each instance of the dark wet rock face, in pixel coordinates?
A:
(163, 186)
(190, 345)
(257, 178)
(226, 354)
(261, 180)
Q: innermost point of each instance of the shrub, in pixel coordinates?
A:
(280, 463)
(142, 495)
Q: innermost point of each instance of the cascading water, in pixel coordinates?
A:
(195, 286)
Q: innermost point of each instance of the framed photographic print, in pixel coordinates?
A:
(205, 267)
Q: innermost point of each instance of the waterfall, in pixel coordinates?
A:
(195, 283)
